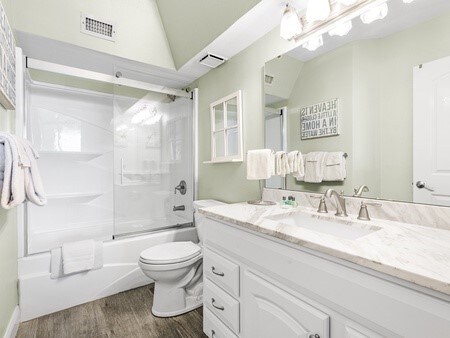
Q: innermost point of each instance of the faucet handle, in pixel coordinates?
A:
(364, 213)
(322, 209)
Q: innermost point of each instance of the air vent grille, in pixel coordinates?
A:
(268, 79)
(97, 27)
(212, 61)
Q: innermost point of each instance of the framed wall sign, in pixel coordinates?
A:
(319, 120)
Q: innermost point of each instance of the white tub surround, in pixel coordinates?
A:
(272, 272)
(414, 253)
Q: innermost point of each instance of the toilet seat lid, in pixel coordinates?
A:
(169, 253)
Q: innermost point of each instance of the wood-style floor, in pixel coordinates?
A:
(127, 314)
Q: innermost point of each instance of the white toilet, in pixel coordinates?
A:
(176, 268)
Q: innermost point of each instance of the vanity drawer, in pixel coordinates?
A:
(222, 271)
(214, 328)
(225, 307)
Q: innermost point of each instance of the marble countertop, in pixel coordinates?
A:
(414, 253)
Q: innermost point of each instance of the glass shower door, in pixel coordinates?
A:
(153, 153)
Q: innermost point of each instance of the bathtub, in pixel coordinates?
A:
(40, 295)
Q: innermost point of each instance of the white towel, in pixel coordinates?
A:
(300, 176)
(335, 167)
(78, 256)
(13, 187)
(281, 164)
(314, 167)
(33, 184)
(56, 268)
(260, 164)
(19, 178)
(296, 163)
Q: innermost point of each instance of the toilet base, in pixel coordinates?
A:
(189, 307)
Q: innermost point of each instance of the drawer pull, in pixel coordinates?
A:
(213, 333)
(213, 269)
(221, 308)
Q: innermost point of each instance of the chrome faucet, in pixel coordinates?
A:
(179, 208)
(340, 202)
(360, 190)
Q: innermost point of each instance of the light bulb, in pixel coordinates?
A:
(374, 14)
(291, 26)
(341, 29)
(318, 10)
(313, 43)
(347, 2)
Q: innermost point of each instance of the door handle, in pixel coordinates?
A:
(423, 185)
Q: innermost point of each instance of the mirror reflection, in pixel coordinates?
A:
(380, 94)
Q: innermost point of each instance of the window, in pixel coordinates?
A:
(226, 129)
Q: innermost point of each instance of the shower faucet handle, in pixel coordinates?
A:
(182, 187)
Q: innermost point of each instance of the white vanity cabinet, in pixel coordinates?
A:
(258, 286)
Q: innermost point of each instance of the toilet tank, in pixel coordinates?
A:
(199, 219)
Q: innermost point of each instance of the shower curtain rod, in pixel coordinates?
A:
(87, 74)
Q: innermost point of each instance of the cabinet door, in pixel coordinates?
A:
(271, 311)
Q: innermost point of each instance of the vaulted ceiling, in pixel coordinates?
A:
(192, 25)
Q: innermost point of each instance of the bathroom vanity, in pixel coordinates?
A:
(273, 272)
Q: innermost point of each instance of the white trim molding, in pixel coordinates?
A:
(13, 325)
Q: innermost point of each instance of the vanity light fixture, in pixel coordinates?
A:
(341, 29)
(291, 25)
(318, 10)
(313, 43)
(375, 13)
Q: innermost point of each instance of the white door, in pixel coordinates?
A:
(271, 311)
(431, 132)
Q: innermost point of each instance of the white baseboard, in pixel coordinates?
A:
(13, 325)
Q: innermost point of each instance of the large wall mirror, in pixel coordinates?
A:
(390, 81)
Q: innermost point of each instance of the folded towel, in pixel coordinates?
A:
(314, 167)
(57, 269)
(335, 167)
(78, 256)
(296, 163)
(281, 164)
(300, 176)
(260, 164)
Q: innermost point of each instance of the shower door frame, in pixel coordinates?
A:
(23, 63)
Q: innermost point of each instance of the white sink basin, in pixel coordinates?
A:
(343, 228)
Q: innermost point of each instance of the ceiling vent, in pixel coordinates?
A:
(97, 27)
(212, 61)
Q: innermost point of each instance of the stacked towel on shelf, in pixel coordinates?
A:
(335, 164)
(76, 257)
(20, 175)
(314, 167)
(260, 164)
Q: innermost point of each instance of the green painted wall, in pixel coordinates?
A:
(192, 25)
(285, 71)
(226, 181)
(8, 247)
(140, 35)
